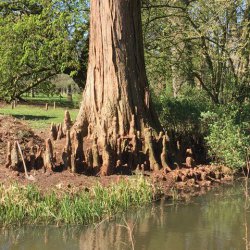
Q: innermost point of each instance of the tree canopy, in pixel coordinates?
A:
(40, 40)
(199, 43)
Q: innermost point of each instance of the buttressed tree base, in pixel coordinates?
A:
(116, 130)
(116, 116)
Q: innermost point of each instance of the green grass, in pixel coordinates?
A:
(27, 205)
(36, 116)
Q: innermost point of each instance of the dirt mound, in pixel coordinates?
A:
(11, 129)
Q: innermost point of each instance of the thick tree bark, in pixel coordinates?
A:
(116, 84)
(116, 116)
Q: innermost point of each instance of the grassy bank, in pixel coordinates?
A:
(28, 205)
(37, 117)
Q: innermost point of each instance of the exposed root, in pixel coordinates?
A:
(164, 163)
(111, 152)
(106, 168)
(67, 123)
(8, 155)
(77, 150)
(67, 152)
(53, 131)
(149, 149)
(15, 160)
(96, 157)
(48, 157)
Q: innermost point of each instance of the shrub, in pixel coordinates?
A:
(227, 138)
(180, 117)
(182, 114)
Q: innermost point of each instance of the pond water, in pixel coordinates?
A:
(217, 220)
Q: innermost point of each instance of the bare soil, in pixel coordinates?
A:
(12, 129)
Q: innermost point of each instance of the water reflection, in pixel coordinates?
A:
(218, 220)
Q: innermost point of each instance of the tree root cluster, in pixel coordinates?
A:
(198, 176)
(109, 154)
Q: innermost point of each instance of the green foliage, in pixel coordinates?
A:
(20, 204)
(227, 138)
(223, 131)
(38, 41)
(182, 114)
(198, 42)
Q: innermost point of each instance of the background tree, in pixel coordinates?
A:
(198, 53)
(201, 42)
(39, 41)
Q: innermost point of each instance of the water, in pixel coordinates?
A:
(217, 220)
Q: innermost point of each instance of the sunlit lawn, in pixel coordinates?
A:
(37, 116)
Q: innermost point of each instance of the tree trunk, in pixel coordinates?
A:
(32, 92)
(116, 106)
(116, 81)
(69, 93)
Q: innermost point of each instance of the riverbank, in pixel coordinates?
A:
(27, 204)
(215, 220)
(78, 199)
(70, 198)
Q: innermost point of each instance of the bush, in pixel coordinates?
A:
(227, 138)
(180, 117)
(182, 114)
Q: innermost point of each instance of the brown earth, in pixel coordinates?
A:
(186, 180)
(11, 129)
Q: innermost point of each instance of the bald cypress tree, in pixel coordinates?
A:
(116, 107)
